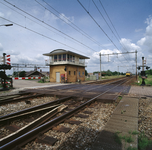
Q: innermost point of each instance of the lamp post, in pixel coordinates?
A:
(6, 25)
(3, 73)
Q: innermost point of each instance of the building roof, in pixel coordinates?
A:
(62, 51)
(32, 72)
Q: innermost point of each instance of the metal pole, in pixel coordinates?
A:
(4, 86)
(136, 62)
(142, 63)
(100, 67)
(118, 70)
(3, 58)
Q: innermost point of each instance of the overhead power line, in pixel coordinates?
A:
(98, 25)
(49, 25)
(75, 26)
(107, 24)
(39, 34)
(110, 21)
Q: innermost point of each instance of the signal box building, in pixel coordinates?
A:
(66, 66)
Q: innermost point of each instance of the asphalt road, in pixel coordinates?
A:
(31, 83)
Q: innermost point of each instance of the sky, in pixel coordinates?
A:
(87, 27)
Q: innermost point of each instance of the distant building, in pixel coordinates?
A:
(34, 74)
(90, 74)
(66, 65)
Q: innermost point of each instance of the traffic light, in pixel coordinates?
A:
(147, 67)
(143, 73)
(5, 66)
(139, 68)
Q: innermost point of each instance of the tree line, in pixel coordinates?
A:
(149, 72)
(109, 73)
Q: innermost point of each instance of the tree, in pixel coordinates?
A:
(15, 74)
(22, 74)
(149, 72)
(86, 73)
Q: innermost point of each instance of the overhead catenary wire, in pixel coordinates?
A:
(39, 34)
(50, 25)
(74, 26)
(35, 21)
(111, 22)
(107, 24)
(98, 25)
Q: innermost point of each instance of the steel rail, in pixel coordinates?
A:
(31, 135)
(18, 99)
(103, 85)
(103, 81)
(39, 107)
(32, 125)
(28, 110)
(26, 113)
(20, 94)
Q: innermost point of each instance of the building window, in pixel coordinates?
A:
(79, 73)
(70, 58)
(69, 72)
(51, 59)
(74, 59)
(55, 58)
(67, 57)
(74, 72)
(82, 73)
(59, 57)
(64, 57)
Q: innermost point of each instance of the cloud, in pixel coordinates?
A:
(128, 46)
(12, 52)
(66, 19)
(95, 58)
(146, 41)
(1, 47)
(138, 30)
(1, 14)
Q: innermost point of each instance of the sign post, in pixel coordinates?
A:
(5, 66)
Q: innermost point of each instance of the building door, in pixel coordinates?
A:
(57, 76)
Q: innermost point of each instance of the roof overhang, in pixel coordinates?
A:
(62, 51)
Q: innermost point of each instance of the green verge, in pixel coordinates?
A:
(143, 141)
(148, 81)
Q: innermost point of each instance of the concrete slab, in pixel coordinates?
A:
(123, 120)
(140, 90)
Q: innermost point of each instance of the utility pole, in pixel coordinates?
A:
(142, 63)
(136, 63)
(118, 70)
(100, 66)
(122, 53)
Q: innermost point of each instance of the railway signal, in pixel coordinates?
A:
(8, 59)
(143, 73)
(5, 66)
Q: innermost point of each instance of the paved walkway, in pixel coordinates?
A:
(123, 120)
(141, 91)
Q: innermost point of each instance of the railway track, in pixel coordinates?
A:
(71, 108)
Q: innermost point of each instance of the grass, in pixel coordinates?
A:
(106, 77)
(131, 148)
(118, 138)
(135, 132)
(143, 141)
(148, 81)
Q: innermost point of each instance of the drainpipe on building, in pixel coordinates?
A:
(65, 69)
